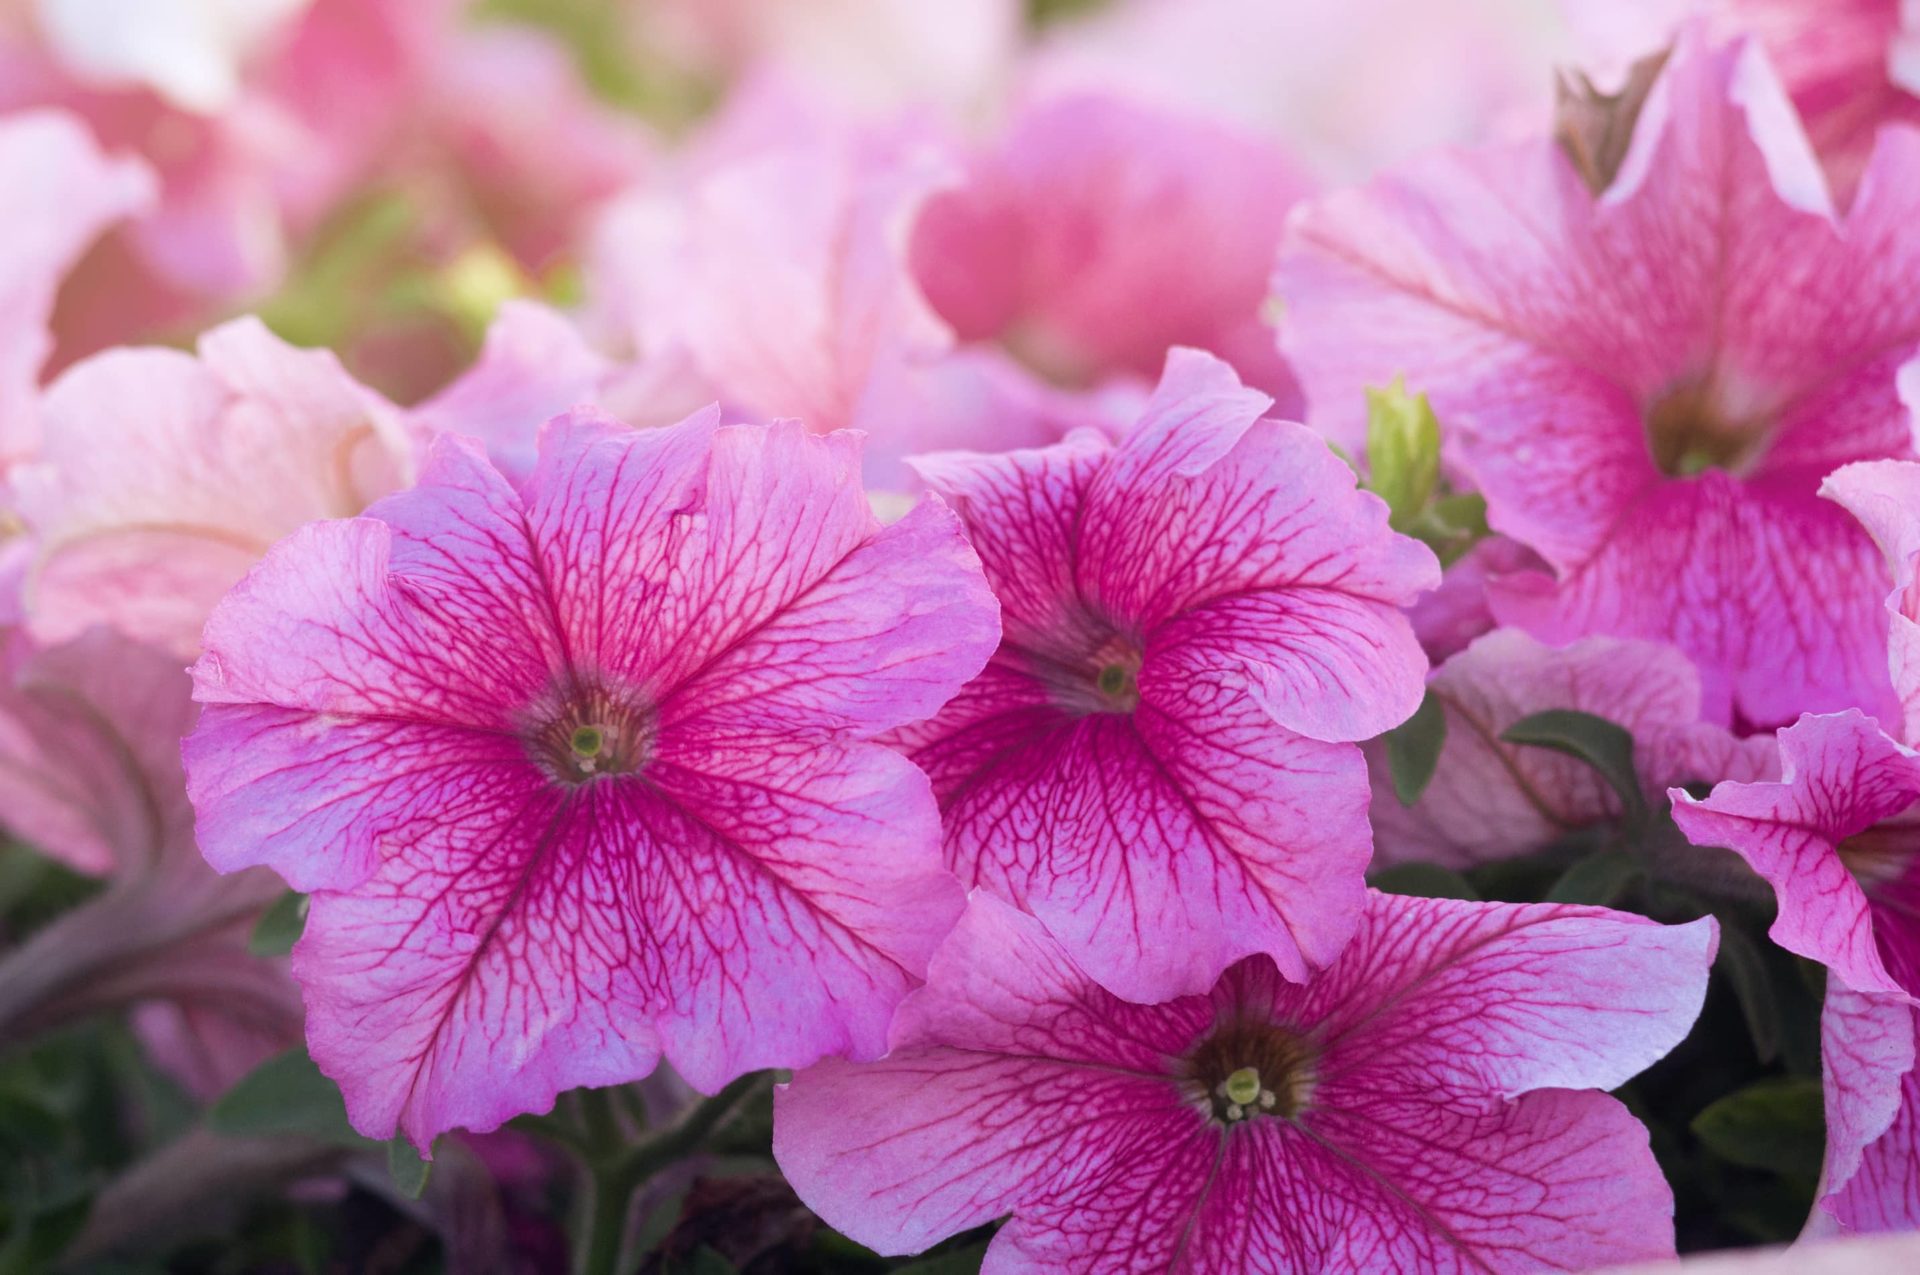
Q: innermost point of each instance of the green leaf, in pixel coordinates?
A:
(408, 1170)
(1602, 744)
(1413, 749)
(284, 1095)
(1599, 880)
(1403, 451)
(280, 926)
(1423, 881)
(965, 1261)
(1745, 967)
(705, 1260)
(1775, 1124)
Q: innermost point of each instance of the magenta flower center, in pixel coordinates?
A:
(1245, 1068)
(589, 733)
(1690, 431)
(1106, 681)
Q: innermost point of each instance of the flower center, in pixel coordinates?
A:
(1244, 1068)
(1689, 432)
(1104, 680)
(1882, 853)
(584, 733)
(1119, 685)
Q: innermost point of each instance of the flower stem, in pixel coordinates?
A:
(611, 1182)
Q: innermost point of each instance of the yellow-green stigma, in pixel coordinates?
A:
(587, 742)
(1245, 1068)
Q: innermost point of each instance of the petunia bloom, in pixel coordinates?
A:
(60, 192)
(1426, 1103)
(1348, 86)
(1157, 763)
(163, 477)
(1851, 66)
(1489, 799)
(1099, 232)
(1647, 384)
(1838, 838)
(577, 771)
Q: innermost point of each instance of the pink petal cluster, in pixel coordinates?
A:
(1625, 379)
(1348, 86)
(1199, 620)
(1850, 65)
(164, 476)
(577, 770)
(1428, 1102)
(1835, 836)
(57, 193)
(1098, 232)
(1489, 799)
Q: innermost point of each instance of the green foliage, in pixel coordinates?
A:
(1606, 746)
(1403, 452)
(1413, 749)
(284, 1095)
(1403, 469)
(280, 926)
(1775, 1124)
(1423, 881)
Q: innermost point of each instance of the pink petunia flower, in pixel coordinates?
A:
(1647, 384)
(1850, 65)
(1489, 799)
(1838, 838)
(1099, 232)
(57, 193)
(1426, 1103)
(872, 56)
(1156, 762)
(1348, 86)
(577, 770)
(257, 117)
(778, 282)
(163, 476)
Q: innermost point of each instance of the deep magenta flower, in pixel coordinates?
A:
(1156, 762)
(577, 771)
(1425, 1104)
(1647, 384)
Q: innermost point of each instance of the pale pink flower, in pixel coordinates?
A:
(57, 193)
(1348, 86)
(1489, 799)
(164, 476)
(1850, 65)
(1100, 232)
(1648, 384)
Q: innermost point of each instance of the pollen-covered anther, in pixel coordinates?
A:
(1243, 1069)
